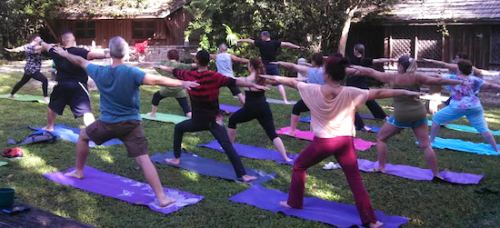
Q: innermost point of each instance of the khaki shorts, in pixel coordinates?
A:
(175, 92)
(129, 132)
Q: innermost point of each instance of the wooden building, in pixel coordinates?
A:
(162, 21)
(435, 29)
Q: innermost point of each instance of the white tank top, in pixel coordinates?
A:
(224, 64)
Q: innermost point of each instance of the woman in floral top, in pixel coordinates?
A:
(33, 65)
(464, 102)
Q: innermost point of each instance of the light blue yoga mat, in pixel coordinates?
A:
(209, 167)
(163, 117)
(71, 134)
(464, 128)
(464, 146)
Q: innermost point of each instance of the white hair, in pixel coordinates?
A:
(118, 47)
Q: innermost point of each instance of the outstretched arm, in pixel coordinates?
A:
(242, 83)
(290, 82)
(290, 45)
(98, 55)
(432, 80)
(449, 66)
(166, 81)
(365, 71)
(77, 60)
(246, 41)
(16, 49)
(384, 60)
(238, 59)
(478, 71)
(301, 69)
(386, 93)
(488, 85)
(165, 68)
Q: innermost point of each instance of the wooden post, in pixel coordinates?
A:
(50, 30)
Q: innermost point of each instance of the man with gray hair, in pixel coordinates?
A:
(268, 49)
(119, 87)
(224, 63)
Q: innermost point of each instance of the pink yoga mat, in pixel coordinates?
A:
(359, 144)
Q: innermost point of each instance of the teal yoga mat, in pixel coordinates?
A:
(464, 128)
(2, 163)
(163, 117)
(21, 97)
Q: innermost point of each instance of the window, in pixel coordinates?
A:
(143, 29)
(85, 29)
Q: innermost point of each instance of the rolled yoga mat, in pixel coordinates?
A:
(464, 128)
(315, 209)
(163, 117)
(415, 173)
(21, 97)
(464, 146)
(374, 129)
(71, 134)
(359, 144)
(229, 108)
(253, 152)
(209, 167)
(124, 189)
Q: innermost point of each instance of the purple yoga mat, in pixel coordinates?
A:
(315, 209)
(124, 189)
(416, 173)
(253, 152)
(229, 108)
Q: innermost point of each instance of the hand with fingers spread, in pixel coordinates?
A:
(189, 84)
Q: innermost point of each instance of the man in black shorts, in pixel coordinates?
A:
(268, 49)
(71, 88)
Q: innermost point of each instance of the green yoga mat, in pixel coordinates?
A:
(464, 128)
(21, 97)
(162, 117)
(2, 163)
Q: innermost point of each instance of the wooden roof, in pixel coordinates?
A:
(111, 9)
(444, 10)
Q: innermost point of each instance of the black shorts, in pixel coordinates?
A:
(272, 69)
(72, 93)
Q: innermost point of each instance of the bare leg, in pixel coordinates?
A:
(294, 121)
(154, 108)
(422, 134)
(82, 152)
(282, 91)
(281, 148)
(232, 134)
(189, 114)
(241, 98)
(88, 118)
(434, 130)
(153, 179)
(490, 139)
(47, 99)
(386, 132)
(51, 119)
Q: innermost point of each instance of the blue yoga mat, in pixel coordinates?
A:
(464, 146)
(209, 167)
(315, 209)
(307, 119)
(253, 152)
(229, 108)
(464, 128)
(71, 134)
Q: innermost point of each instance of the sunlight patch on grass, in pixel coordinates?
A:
(325, 194)
(191, 175)
(106, 157)
(34, 163)
(190, 141)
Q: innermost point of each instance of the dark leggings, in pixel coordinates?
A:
(300, 107)
(376, 111)
(26, 77)
(183, 102)
(220, 134)
(255, 110)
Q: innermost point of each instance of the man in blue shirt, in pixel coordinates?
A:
(120, 118)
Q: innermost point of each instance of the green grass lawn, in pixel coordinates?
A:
(427, 204)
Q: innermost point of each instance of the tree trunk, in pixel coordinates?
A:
(345, 31)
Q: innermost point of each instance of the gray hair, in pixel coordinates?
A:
(118, 47)
(266, 34)
(223, 47)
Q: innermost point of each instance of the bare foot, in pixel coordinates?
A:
(376, 225)
(287, 159)
(165, 201)
(75, 174)
(285, 204)
(12, 96)
(248, 178)
(173, 161)
(286, 102)
(47, 99)
(152, 115)
(292, 133)
(367, 129)
(48, 128)
(378, 170)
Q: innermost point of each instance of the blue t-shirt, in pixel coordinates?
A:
(119, 88)
(315, 76)
(462, 96)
